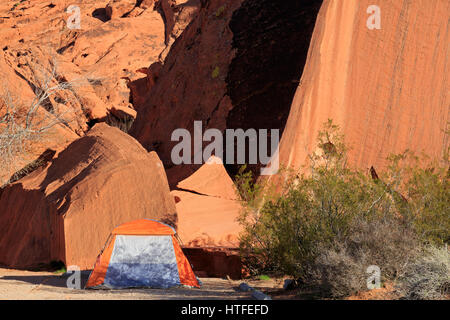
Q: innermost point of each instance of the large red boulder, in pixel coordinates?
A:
(66, 209)
(208, 208)
(208, 212)
(207, 221)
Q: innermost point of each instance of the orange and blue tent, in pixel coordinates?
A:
(142, 253)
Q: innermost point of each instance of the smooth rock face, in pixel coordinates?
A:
(211, 180)
(66, 210)
(205, 221)
(208, 208)
(388, 89)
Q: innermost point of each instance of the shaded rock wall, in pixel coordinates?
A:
(271, 39)
(235, 66)
(210, 262)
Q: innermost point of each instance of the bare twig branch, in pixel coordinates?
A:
(21, 125)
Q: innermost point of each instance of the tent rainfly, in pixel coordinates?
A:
(142, 253)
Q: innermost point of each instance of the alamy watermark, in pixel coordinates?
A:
(374, 280)
(235, 142)
(74, 281)
(374, 20)
(74, 21)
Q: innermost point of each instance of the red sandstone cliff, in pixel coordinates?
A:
(388, 89)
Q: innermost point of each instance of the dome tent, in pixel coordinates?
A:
(142, 253)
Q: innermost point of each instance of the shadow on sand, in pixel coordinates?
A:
(209, 290)
(56, 280)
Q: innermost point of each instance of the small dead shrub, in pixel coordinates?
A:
(340, 271)
(427, 278)
(124, 123)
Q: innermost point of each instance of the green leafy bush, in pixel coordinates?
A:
(325, 226)
(428, 192)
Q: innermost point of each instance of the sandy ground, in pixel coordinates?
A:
(27, 285)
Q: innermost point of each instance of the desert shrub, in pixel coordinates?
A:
(428, 277)
(326, 226)
(428, 192)
(23, 125)
(124, 123)
(340, 270)
(32, 166)
(16, 5)
(245, 185)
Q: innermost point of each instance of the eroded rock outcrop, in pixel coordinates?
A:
(110, 53)
(101, 56)
(119, 8)
(177, 15)
(66, 209)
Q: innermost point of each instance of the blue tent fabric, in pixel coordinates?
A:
(142, 261)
